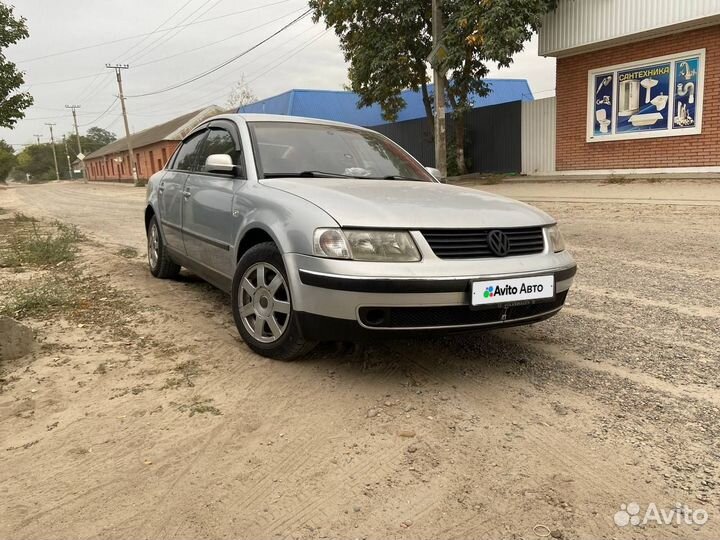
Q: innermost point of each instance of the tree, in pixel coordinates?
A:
(387, 43)
(99, 137)
(240, 95)
(7, 160)
(12, 103)
(94, 139)
(37, 161)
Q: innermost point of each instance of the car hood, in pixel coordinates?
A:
(409, 204)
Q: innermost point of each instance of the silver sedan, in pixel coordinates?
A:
(325, 231)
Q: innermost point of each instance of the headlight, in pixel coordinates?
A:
(360, 245)
(557, 242)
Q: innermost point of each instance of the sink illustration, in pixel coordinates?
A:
(648, 84)
(659, 101)
(644, 120)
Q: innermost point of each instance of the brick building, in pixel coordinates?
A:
(152, 147)
(638, 85)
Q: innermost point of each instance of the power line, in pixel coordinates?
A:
(120, 40)
(169, 34)
(226, 62)
(127, 51)
(289, 56)
(156, 60)
(207, 97)
(195, 49)
(101, 114)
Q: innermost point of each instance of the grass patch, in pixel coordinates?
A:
(185, 372)
(39, 299)
(613, 179)
(35, 245)
(128, 252)
(23, 218)
(199, 406)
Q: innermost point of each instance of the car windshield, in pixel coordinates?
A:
(316, 150)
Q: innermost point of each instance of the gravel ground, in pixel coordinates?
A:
(520, 433)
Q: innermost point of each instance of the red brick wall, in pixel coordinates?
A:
(111, 172)
(574, 153)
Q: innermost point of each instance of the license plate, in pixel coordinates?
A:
(503, 291)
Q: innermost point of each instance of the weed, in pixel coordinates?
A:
(186, 371)
(39, 299)
(199, 406)
(36, 246)
(615, 179)
(23, 218)
(128, 252)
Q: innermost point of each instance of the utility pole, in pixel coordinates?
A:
(77, 135)
(77, 132)
(118, 68)
(439, 79)
(52, 143)
(37, 137)
(67, 156)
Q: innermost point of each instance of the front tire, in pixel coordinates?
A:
(262, 305)
(161, 265)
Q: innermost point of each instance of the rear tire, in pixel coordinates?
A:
(262, 305)
(161, 265)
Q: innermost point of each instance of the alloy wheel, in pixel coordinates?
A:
(264, 302)
(153, 246)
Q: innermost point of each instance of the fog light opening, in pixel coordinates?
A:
(375, 317)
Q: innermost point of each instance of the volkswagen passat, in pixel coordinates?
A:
(327, 231)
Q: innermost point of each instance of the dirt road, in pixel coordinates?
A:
(181, 432)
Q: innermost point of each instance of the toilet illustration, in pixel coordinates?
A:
(601, 116)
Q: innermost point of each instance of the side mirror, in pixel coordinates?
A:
(436, 174)
(220, 164)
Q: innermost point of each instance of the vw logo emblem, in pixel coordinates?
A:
(498, 243)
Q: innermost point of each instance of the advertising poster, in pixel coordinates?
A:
(686, 86)
(642, 99)
(603, 104)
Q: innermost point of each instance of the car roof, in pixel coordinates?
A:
(258, 117)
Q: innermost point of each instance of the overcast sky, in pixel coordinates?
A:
(303, 56)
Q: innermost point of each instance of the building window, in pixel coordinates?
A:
(659, 97)
(164, 156)
(152, 163)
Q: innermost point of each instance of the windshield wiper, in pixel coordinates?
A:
(310, 174)
(400, 177)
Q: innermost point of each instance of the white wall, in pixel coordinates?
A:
(538, 136)
(578, 25)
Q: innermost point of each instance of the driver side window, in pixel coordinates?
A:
(219, 141)
(188, 156)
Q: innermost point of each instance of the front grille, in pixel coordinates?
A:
(473, 243)
(434, 316)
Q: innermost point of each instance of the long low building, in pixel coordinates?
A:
(152, 148)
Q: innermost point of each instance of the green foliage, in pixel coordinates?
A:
(12, 102)
(387, 43)
(35, 245)
(94, 139)
(37, 161)
(7, 160)
(99, 137)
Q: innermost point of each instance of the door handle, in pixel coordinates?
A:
(186, 194)
(161, 188)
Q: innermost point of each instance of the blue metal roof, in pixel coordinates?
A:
(341, 106)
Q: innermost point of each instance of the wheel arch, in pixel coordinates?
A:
(149, 213)
(255, 234)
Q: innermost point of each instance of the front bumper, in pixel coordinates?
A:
(338, 299)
